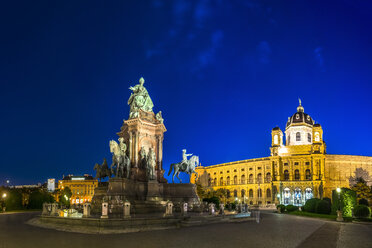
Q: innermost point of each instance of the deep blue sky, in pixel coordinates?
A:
(224, 73)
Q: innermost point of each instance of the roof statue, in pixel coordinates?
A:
(139, 99)
(300, 108)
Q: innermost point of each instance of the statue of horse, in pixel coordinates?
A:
(102, 170)
(188, 167)
(120, 161)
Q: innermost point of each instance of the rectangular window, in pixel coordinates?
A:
(296, 163)
(259, 168)
(250, 169)
(242, 169)
(307, 163)
(285, 164)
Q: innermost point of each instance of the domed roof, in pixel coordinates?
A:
(300, 117)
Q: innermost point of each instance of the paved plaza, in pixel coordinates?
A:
(274, 230)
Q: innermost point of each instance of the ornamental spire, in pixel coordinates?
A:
(300, 108)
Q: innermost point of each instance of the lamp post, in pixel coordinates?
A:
(3, 201)
(339, 211)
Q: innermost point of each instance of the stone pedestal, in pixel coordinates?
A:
(54, 211)
(86, 210)
(339, 216)
(46, 208)
(104, 210)
(126, 210)
(154, 191)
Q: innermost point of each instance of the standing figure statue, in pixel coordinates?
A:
(139, 99)
(185, 165)
(120, 161)
(151, 163)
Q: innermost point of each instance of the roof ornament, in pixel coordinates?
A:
(300, 108)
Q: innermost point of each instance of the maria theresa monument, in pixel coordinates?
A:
(136, 172)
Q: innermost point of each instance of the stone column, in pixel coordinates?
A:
(126, 212)
(104, 210)
(130, 148)
(86, 210)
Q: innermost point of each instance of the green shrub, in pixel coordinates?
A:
(310, 205)
(328, 200)
(362, 211)
(281, 207)
(364, 202)
(291, 208)
(323, 207)
(213, 199)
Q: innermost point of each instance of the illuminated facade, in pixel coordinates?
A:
(82, 187)
(297, 170)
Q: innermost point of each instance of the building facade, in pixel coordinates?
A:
(297, 169)
(82, 187)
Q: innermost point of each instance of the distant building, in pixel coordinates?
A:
(29, 186)
(82, 187)
(51, 184)
(296, 171)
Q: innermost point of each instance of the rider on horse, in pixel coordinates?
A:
(184, 158)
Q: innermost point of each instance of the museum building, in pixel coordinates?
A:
(296, 171)
(82, 187)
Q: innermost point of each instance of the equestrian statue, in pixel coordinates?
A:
(120, 166)
(186, 165)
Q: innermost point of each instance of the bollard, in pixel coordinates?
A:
(339, 216)
(86, 210)
(127, 210)
(54, 211)
(168, 209)
(184, 209)
(211, 209)
(104, 210)
(222, 209)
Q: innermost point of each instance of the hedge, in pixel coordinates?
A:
(362, 211)
(310, 205)
(323, 207)
(291, 208)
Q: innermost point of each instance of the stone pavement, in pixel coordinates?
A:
(274, 230)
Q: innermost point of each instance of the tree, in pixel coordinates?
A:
(362, 189)
(38, 197)
(64, 196)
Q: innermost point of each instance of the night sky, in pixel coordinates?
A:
(223, 73)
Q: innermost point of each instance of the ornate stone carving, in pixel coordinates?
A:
(139, 99)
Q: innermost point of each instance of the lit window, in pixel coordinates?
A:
(276, 139)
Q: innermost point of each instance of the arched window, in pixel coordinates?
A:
(251, 193)
(286, 175)
(228, 193)
(287, 196)
(259, 193)
(298, 136)
(268, 177)
(215, 182)
(209, 182)
(268, 193)
(235, 193)
(317, 136)
(251, 178)
(242, 180)
(259, 178)
(243, 192)
(297, 175)
(235, 180)
(228, 180)
(309, 137)
(308, 175)
(221, 181)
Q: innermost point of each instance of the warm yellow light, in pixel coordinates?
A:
(338, 190)
(4, 195)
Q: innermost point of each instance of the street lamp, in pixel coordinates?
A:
(339, 212)
(4, 195)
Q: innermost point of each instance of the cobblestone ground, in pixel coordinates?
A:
(274, 230)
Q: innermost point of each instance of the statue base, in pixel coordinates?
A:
(145, 197)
